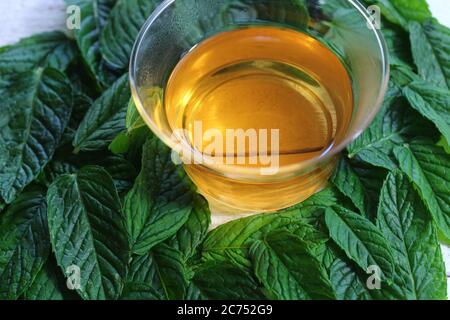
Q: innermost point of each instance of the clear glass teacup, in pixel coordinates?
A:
(185, 42)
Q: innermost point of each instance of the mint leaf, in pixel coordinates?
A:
(161, 200)
(360, 239)
(35, 110)
(349, 282)
(51, 49)
(163, 270)
(430, 43)
(191, 235)
(121, 30)
(139, 291)
(50, 284)
(432, 102)
(394, 125)
(404, 221)
(105, 119)
(427, 167)
(24, 243)
(286, 267)
(93, 18)
(231, 241)
(361, 183)
(87, 231)
(402, 11)
(230, 282)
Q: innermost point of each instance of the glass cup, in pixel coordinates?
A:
(176, 27)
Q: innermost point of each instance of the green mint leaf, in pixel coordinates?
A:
(427, 166)
(431, 51)
(24, 243)
(349, 282)
(122, 28)
(52, 49)
(404, 221)
(231, 241)
(432, 102)
(224, 281)
(191, 235)
(50, 284)
(93, 18)
(105, 119)
(287, 269)
(361, 183)
(162, 269)
(139, 291)
(35, 111)
(87, 231)
(161, 200)
(360, 239)
(402, 11)
(394, 125)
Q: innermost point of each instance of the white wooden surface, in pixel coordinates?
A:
(22, 18)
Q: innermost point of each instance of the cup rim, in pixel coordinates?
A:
(253, 174)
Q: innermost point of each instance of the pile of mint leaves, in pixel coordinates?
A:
(92, 207)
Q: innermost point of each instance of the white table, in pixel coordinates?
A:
(22, 18)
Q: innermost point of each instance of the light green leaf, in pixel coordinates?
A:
(161, 200)
(287, 268)
(230, 282)
(162, 269)
(402, 11)
(24, 243)
(121, 30)
(87, 231)
(51, 49)
(404, 221)
(35, 110)
(360, 239)
(430, 44)
(428, 167)
(105, 119)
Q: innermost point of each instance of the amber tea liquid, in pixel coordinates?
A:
(260, 78)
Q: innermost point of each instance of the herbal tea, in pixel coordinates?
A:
(257, 88)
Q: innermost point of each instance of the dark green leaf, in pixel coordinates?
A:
(52, 49)
(189, 237)
(87, 231)
(93, 17)
(432, 102)
(231, 241)
(163, 270)
(348, 281)
(24, 243)
(430, 43)
(35, 110)
(121, 30)
(229, 282)
(428, 167)
(105, 119)
(360, 239)
(395, 124)
(404, 221)
(161, 200)
(50, 284)
(287, 268)
(138, 291)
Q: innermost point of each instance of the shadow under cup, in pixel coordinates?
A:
(345, 27)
